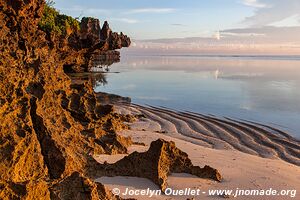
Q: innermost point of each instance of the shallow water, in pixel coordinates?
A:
(253, 88)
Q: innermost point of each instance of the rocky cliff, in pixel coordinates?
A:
(92, 35)
(100, 42)
(50, 126)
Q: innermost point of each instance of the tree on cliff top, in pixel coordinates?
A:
(54, 22)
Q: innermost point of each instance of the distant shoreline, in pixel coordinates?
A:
(269, 57)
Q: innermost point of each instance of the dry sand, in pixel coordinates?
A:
(248, 155)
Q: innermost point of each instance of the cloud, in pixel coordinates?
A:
(90, 11)
(126, 20)
(262, 35)
(265, 40)
(274, 11)
(151, 10)
(226, 33)
(288, 22)
(178, 25)
(266, 34)
(254, 3)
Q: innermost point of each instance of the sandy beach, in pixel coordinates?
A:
(249, 156)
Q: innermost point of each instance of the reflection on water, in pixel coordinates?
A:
(98, 79)
(265, 90)
(97, 74)
(105, 59)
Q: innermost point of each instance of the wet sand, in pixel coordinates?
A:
(248, 155)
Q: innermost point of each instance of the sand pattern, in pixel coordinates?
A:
(219, 133)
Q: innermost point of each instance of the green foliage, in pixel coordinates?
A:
(54, 22)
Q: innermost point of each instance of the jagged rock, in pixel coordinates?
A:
(78, 187)
(162, 159)
(106, 31)
(89, 31)
(92, 36)
(49, 128)
(126, 42)
(115, 40)
(95, 43)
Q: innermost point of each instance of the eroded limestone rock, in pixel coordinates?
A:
(162, 159)
(78, 187)
(49, 126)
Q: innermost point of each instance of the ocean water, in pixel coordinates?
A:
(260, 89)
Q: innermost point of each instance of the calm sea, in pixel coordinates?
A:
(261, 89)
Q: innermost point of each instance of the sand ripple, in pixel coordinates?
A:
(221, 133)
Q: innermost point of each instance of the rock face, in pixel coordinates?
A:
(106, 31)
(89, 31)
(95, 44)
(50, 126)
(115, 40)
(92, 35)
(77, 187)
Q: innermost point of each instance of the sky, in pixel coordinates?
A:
(222, 23)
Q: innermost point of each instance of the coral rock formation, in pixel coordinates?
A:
(80, 188)
(89, 31)
(92, 35)
(49, 127)
(162, 159)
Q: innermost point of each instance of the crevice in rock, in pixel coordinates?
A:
(53, 157)
(79, 117)
(68, 68)
(36, 89)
